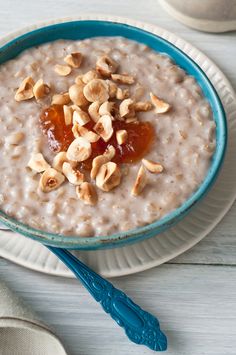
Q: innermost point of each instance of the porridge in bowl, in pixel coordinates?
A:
(99, 136)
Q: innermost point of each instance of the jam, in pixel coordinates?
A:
(59, 135)
(140, 137)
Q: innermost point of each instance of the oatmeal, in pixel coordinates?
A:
(99, 136)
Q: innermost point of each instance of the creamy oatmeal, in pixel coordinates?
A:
(136, 139)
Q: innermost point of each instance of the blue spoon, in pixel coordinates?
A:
(140, 326)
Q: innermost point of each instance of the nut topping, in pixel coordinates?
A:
(74, 59)
(40, 89)
(126, 108)
(61, 99)
(110, 152)
(106, 66)
(96, 165)
(96, 90)
(62, 70)
(80, 131)
(121, 136)
(152, 166)
(93, 111)
(122, 94)
(81, 117)
(123, 78)
(59, 160)
(160, 105)
(140, 182)
(25, 90)
(77, 95)
(102, 159)
(108, 176)
(78, 80)
(104, 128)
(50, 180)
(38, 163)
(74, 176)
(106, 108)
(90, 75)
(112, 88)
(87, 193)
(67, 114)
(85, 114)
(79, 150)
(142, 106)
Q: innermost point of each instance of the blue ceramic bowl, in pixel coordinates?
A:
(76, 30)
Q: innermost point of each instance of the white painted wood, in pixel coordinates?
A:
(219, 247)
(196, 304)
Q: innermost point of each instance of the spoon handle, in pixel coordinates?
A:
(140, 326)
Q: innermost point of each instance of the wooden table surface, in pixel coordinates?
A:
(194, 295)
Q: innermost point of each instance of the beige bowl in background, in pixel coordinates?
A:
(203, 15)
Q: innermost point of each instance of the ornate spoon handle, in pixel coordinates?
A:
(140, 326)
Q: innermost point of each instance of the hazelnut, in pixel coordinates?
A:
(104, 128)
(74, 59)
(25, 90)
(38, 163)
(74, 176)
(62, 70)
(96, 90)
(108, 176)
(50, 180)
(152, 166)
(79, 150)
(77, 95)
(160, 105)
(140, 182)
(87, 193)
(106, 66)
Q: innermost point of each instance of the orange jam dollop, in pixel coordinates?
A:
(140, 137)
(59, 135)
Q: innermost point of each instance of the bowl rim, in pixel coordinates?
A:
(117, 239)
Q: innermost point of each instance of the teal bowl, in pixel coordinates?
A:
(77, 30)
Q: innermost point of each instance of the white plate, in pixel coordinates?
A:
(165, 246)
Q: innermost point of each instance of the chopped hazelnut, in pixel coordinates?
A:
(79, 150)
(96, 90)
(25, 90)
(152, 166)
(62, 70)
(77, 95)
(87, 193)
(38, 163)
(160, 105)
(106, 66)
(61, 99)
(104, 128)
(121, 136)
(40, 89)
(74, 176)
(74, 59)
(50, 180)
(108, 176)
(140, 182)
(123, 78)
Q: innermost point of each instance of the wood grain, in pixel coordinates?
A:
(196, 306)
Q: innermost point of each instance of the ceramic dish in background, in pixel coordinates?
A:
(84, 29)
(209, 15)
